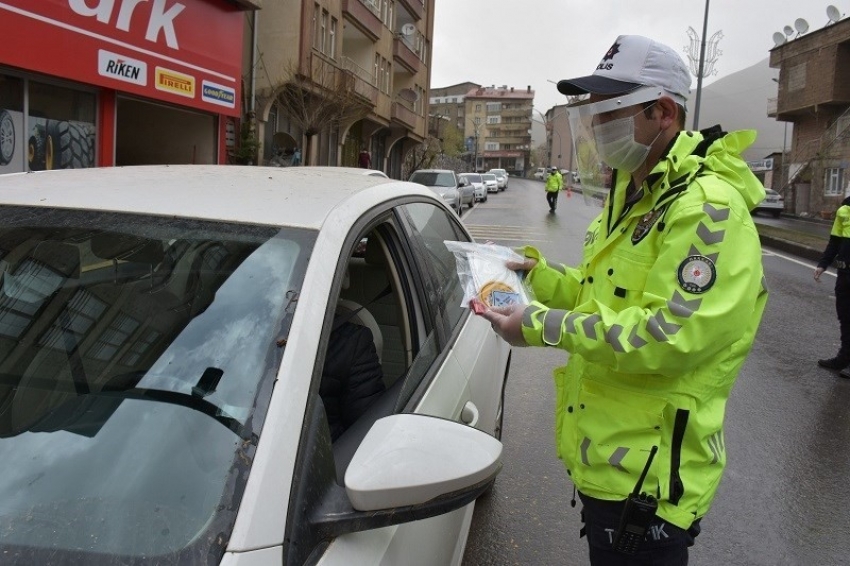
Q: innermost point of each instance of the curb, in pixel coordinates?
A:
(791, 247)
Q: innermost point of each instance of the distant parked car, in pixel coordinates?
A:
(501, 177)
(540, 173)
(455, 191)
(480, 189)
(772, 203)
(491, 182)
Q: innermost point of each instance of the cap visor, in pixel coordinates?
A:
(594, 84)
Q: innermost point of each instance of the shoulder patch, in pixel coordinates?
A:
(696, 274)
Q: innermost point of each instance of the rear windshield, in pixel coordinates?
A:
(473, 177)
(433, 179)
(138, 356)
(488, 177)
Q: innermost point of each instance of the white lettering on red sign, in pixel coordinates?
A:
(161, 18)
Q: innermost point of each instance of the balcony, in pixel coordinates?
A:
(405, 57)
(415, 7)
(405, 115)
(365, 15)
(359, 80)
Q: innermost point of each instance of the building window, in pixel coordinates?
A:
(317, 17)
(494, 119)
(376, 80)
(332, 37)
(491, 146)
(478, 108)
(323, 32)
(494, 107)
(832, 184)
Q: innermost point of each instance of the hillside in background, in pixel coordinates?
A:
(739, 102)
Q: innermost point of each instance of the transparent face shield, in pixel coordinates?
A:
(596, 142)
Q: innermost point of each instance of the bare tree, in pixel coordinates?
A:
(319, 96)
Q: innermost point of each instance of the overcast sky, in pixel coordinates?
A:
(505, 42)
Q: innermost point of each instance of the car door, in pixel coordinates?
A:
(377, 270)
(479, 352)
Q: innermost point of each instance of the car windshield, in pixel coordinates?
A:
(498, 172)
(138, 356)
(488, 177)
(433, 178)
(473, 177)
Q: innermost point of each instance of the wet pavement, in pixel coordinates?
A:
(784, 498)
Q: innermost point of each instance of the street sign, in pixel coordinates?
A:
(761, 165)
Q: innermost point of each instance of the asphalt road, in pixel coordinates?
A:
(784, 498)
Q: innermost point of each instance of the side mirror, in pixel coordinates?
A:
(392, 478)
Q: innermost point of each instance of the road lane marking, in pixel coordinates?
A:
(794, 260)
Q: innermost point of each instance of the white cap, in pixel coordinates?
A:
(632, 62)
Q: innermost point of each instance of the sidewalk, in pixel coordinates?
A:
(806, 246)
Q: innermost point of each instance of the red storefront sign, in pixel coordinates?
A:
(187, 52)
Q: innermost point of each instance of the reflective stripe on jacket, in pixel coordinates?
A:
(658, 320)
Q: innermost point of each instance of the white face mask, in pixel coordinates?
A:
(616, 144)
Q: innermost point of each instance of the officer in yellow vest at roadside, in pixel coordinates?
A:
(554, 184)
(660, 314)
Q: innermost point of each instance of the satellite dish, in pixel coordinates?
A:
(801, 25)
(778, 39)
(408, 29)
(833, 14)
(788, 30)
(408, 94)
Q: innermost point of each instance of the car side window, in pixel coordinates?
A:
(430, 226)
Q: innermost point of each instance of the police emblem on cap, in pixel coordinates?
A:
(696, 274)
(645, 225)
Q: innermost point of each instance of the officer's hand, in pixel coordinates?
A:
(818, 272)
(507, 322)
(527, 264)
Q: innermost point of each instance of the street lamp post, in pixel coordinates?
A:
(476, 123)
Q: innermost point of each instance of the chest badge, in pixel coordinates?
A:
(645, 225)
(697, 274)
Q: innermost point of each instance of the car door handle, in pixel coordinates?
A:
(469, 414)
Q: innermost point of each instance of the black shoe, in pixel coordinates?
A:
(834, 363)
(845, 373)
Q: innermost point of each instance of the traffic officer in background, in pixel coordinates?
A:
(554, 183)
(660, 314)
(838, 252)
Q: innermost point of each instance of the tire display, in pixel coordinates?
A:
(7, 137)
(68, 146)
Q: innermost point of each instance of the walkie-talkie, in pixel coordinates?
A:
(637, 514)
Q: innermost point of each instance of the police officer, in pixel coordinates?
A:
(554, 182)
(659, 315)
(838, 252)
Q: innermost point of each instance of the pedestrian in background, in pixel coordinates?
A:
(296, 157)
(657, 318)
(837, 252)
(554, 183)
(365, 160)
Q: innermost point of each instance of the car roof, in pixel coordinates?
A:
(433, 171)
(288, 196)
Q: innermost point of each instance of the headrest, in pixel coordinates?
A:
(58, 256)
(374, 255)
(127, 247)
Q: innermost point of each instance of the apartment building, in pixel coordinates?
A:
(336, 77)
(814, 94)
(498, 125)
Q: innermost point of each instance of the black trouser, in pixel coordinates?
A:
(664, 545)
(552, 199)
(842, 309)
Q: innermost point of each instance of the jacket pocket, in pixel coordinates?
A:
(615, 431)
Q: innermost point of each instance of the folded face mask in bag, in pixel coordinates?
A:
(485, 277)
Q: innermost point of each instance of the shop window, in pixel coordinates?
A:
(61, 128)
(12, 148)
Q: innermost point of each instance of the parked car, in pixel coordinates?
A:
(501, 177)
(491, 182)
(480, 189)
(540, 174)
(455, 191)
(165, 331)
(773, 203)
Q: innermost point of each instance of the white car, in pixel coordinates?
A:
(541, 173)
(773, 203)
(477, 184)
(501, 177)
(454, 191)
(164, 335)
(491, 182)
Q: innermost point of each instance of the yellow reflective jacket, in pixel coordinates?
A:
(554, 182)
(658, 320)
